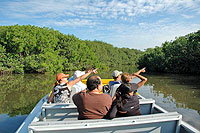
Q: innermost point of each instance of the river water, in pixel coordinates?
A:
(20, 93)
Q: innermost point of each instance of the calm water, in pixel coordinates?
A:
(20, 93)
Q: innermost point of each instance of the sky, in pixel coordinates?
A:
(138, 24)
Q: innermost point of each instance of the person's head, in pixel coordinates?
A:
(126, 78)
(128, 88)
(94, 82)
(78, 74)
(116, 75)
(61, 77)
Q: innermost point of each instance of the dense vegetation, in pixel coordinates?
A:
(179, 56)
(32, 49)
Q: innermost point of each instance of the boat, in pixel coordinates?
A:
(60, 117)
(104, 81)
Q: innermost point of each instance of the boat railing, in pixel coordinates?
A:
(162, 122)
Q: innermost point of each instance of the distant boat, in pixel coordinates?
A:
(63, 118)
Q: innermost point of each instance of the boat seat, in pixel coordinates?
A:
(62, 112)
(59, 112)
(162, 122)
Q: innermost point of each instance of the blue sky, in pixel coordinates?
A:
(138, 24)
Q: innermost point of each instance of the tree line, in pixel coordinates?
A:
(32, 49)
(179, 56)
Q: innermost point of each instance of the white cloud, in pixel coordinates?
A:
(150, 35)
(187, 16)
(112, 9)
(144, 35)
(75, 22)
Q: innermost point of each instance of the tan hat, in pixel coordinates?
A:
(61, 75)
(116, 73)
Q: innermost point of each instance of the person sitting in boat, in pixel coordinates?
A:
(91, 103)
(78, 86)
(126, 101)
(113, 85)
(62, 89)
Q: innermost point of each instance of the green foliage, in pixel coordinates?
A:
(112, 57)
(31, 49)
(179, 56)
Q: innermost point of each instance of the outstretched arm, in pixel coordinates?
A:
(143, 80)
(73, 82)
(138, 72)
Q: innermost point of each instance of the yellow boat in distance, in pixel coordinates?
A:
(104, 81)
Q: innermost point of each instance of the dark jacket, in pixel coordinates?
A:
(124, 104)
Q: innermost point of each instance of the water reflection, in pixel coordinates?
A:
(180, 93)
(182, 90)
(20, 93)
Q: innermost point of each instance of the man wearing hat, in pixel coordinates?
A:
(113, 85)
